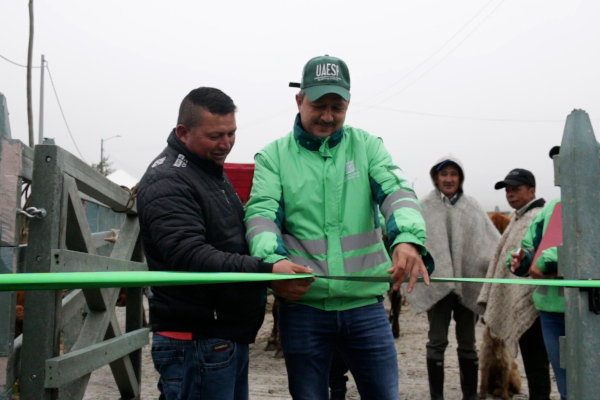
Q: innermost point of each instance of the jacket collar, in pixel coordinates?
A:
(530, 206)
(313, 143)
(204, 163)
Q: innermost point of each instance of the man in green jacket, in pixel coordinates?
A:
(314, 201)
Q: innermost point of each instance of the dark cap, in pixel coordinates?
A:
(554, 151)
(447, 163)
(517, 177)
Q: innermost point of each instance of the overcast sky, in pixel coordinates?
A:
(491, 81)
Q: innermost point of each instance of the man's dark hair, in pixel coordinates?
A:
(203, 99)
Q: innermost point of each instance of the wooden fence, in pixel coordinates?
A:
(60, 240)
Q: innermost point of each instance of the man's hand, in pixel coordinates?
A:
(515, 259)
(291, 289)
(406, 261)
(535, 273)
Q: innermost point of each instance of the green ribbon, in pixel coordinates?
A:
(97, 280)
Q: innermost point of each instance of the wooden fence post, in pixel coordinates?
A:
(577, 170)
(16, 160)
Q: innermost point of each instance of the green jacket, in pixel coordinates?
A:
(314, 201)
(546, 298)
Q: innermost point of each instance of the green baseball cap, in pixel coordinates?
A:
(323, 75)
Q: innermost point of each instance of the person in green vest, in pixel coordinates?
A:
(314, 201)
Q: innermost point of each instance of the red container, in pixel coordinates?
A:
(240, 176)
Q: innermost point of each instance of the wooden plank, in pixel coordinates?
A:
(10, 192)
(66, 368)
(94, 184)
(98, 238)
(9, 347)
(4, 121)
(10, 366)
(123, 369)
(101, 300)
(125, 379)
(72, 304)
(97, 321)
(129, 236)
(135, 311)
(26, 162)
(41, 327)
(73, 261)
(93, 331)
(78, 235)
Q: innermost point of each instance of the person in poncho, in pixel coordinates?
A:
(510, 312)
(461, 239)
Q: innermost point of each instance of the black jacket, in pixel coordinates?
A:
(192, 220)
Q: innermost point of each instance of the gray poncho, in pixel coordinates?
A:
(461, 239)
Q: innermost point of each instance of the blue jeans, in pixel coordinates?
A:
(363, 337)
(206, 368)
(553, 327)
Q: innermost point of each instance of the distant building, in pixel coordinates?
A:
(122, 178)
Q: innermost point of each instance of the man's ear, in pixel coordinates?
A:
(182, 133)
(298, 101)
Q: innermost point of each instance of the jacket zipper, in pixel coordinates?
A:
(226, 198)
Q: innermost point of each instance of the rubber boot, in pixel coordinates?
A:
(469, 369)
(435, 372)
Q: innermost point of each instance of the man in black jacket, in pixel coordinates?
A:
(192, 220)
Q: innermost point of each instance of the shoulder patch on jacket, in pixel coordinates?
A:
(158, 162)
(181, 161)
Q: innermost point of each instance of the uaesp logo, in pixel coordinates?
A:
(327, 72)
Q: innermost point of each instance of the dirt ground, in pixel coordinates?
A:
(268, 380)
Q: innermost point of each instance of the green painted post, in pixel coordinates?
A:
(578, 174)
(41, 332)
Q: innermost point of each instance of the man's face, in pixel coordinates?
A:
(323, 116)
(212, 139)
(518, 196)
(447, 180)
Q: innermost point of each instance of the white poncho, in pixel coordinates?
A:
(461, 239)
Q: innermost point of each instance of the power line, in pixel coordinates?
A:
(437, 63)
(271, 116)
(57, 100)
(17, 64)
(466, 118)
(431, 56)
(63, 114)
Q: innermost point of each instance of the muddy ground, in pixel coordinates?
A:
(268, 380)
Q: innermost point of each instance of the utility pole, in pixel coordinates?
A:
(41, 130)
(102, 166)
(29, 55)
